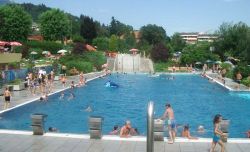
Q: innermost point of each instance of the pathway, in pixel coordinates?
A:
(79, 143)
(229, 83)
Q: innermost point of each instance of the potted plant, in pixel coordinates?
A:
(17, 85)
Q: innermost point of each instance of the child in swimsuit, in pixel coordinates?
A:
(217, 133)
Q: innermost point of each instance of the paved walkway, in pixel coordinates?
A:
(50, 143)
(229, 83)
(23, 96)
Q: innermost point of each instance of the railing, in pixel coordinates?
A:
(150, 127)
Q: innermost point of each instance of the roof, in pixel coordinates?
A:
(35, 37)
(90, 48)
(10, 57)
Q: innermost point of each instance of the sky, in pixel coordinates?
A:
(172, 15)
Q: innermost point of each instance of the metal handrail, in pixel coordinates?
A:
(150, 127)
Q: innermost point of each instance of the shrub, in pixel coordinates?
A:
(45, 45)
(226, 66)
(79, 48)
(78, 38)
(162, 67)
(96, 58)
(246, 82)
(243, 69)
(86, 67)
(160, 53)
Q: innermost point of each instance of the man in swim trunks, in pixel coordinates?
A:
(7, 95)
(169, 113)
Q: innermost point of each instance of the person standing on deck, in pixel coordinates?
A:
(217, 133)
(238, 79)
(169, 113)
(7, 96)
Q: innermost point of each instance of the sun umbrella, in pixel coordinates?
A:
(228, 62)
(209, 61)
(62, 51)
(198, 63)
(15, 44)
(133, 50)
(33, 53)
(45, 52)
(218, 62)
(2, 43)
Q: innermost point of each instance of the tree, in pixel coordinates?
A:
(160, 53)
(153, 34)
(130, 40)
(198, 53)
(79, 48)
(177, 43)
(102, 29)
(233, 41)
(113, 43)
(102, 43)
(118, 28)
(55, 25)
(15, 23)
(87, 28)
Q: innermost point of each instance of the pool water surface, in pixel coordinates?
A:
(194, 99)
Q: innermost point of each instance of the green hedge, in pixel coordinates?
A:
(80, 66)
(246, 82)
(53, 47)
(162, 66)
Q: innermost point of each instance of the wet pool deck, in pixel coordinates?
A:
(229, 83)
(26, 142)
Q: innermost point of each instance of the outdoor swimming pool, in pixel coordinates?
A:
(194, 99)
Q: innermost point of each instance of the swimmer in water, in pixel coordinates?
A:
(61, 96)
(71, 96)
(88, 109)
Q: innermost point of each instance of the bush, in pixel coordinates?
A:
(246, 82)
(160, 53)
(86, 67)
(243, 69)
(162, 66)
(78, 38)
(226, 66)
(96, 58)
(45, 45)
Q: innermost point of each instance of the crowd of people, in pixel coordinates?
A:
(42, 84)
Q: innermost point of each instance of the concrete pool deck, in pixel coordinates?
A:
(23, 97)
(19, 141)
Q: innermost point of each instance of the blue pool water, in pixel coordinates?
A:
(194, 99)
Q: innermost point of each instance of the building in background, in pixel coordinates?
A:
(194, 37)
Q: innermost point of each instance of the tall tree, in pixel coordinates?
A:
(113, 43)
(160, 53)
(153, 34)
(177, 43)
(55, 25)
(118, 28)
(102, 43)
(233, 41)
(15, 23)
(87, 28)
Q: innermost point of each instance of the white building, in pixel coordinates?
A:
(194, 37)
